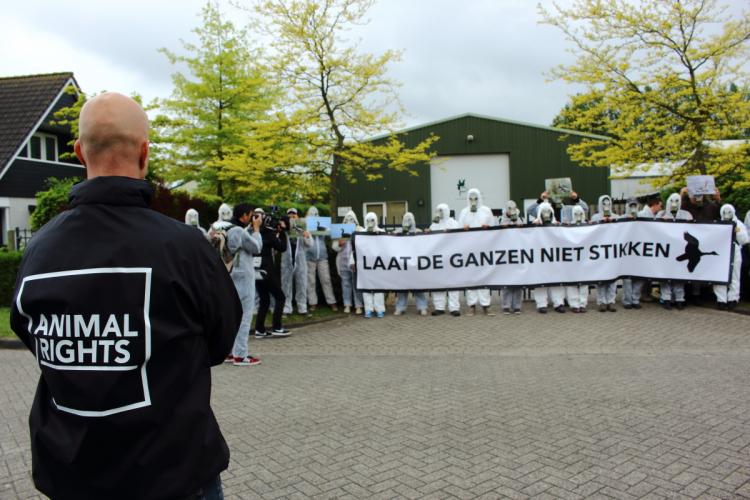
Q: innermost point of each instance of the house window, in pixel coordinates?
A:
(41, 147)
(388, 212)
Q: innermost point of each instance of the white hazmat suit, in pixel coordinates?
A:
(476, 215)
(577, 295)
(511, 297)
(374, 301)
(443, 221)
(605, 291)
(728, 296)
(673, 291)
(543, 295)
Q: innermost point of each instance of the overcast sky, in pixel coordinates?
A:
(479, 56)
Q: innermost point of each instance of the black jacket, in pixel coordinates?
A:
(126, 310)
(272, 240)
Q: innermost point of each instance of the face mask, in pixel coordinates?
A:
(633, 210)
(674, 205)
(513, 215)
(473, 202)
(727, 215)
(578, 217)
(313, 212)
(225, 213)
(546, 216)
(606, 206)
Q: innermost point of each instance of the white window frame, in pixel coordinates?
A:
(383, 204)
(42, 149)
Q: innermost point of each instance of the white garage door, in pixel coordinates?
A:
(452, 176)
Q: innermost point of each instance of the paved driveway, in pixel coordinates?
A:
(630, 404)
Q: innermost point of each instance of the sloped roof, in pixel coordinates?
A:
(23, 102)
(491, 118)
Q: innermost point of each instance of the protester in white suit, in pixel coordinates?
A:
(673, 291)
(727, 297)
(476, 215)
(543, 295)
(373, 301)
(577, 295)
(606, 291)
(409, 226)
(443, 221)
(511, 297)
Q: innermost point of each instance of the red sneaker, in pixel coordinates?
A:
(246, 361)
(229, 359)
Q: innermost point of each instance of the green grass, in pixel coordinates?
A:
(320, 313)
(5, 331)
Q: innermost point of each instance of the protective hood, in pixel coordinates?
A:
(371, 223)
(511, 214)
(351, 218)
(474, 199)
(631, 208)
(312, 212)
(545, 208)
(578, 215)
(442, 212)
(191, 217)
(674, 203)
(408, 223)
(225, 213)
(727, 213)
(605, 206)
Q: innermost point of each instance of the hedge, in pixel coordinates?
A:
(9, 262)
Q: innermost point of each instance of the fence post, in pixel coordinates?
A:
(11, 240)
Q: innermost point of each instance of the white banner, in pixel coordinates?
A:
(534, 256)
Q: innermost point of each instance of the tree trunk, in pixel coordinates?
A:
(333, 189)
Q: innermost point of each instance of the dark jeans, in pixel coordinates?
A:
(266, 288)
(210, 491)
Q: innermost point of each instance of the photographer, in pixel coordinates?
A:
(273, 233)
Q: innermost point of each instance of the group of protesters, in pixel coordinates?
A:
(254, 239)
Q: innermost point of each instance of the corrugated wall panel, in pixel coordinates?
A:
(535, 154)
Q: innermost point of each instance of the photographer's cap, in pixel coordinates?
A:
(292, 211)
(259, 211)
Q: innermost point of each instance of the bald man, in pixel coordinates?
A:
(125, 310)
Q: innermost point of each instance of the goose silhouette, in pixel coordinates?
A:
(692, 253)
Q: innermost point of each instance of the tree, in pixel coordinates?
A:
(337, 96)
(664, 81)
(214, 108)
(52, 201)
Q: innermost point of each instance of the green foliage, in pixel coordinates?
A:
(337, 97)
(663, 80)
(9, 263)
(214, 107)
(51, 202)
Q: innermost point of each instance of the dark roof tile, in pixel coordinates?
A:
(23, 101)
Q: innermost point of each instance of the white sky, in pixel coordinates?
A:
(480, 56)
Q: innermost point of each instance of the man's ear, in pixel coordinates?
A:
(78, 148)
(143, 159)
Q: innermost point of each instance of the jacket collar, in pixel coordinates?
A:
(119, 191)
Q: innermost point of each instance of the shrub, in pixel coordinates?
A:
(9, 262)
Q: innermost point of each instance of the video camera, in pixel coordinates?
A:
(272, 219)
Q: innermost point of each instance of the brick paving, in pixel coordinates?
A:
(632, 404)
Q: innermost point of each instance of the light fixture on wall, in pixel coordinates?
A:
(470, 138)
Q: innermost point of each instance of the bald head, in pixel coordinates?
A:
(113, 137)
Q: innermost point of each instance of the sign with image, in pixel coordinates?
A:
(701, 185)
(318, 226)
(558, 189)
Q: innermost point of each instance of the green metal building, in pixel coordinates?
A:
(503, 158)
